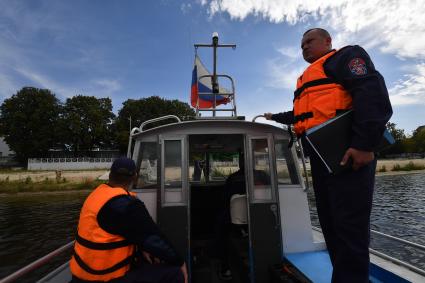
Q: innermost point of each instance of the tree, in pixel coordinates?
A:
(398, 134)
(86, 122)
(144, 109)
(418, 139)
(29, 122)
(400, 145)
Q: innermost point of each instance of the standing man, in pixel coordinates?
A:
(336, 81)
(114, 229)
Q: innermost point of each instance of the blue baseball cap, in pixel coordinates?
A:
(123, 166)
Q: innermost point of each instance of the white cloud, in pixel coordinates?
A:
(107, 86)
(185, 7)
(97, 87)
(291, 52)
(43, 81)
(283, 75)
(395, 26)
(7, 86)
(411, 89)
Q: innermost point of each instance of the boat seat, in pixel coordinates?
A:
(238, 209)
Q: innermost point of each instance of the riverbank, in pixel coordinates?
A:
(40, 176)
(24, 181)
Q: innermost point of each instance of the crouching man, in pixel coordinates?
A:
(117, 240)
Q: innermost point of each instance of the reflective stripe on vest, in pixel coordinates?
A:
(318, 97)
(99, 255)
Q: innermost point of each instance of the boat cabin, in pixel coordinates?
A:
(187, 181)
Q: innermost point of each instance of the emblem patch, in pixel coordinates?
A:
(358, 66)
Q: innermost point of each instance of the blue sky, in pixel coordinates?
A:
(135, 49)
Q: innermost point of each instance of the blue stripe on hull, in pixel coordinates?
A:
(318, 268)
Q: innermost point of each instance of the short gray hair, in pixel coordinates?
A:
(322, 32)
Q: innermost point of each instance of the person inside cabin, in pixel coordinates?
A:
(235, 184)
(334, 82)
(118, 241)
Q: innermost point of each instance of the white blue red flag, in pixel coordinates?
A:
(204, 85)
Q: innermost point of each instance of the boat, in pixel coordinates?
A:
(183, 168)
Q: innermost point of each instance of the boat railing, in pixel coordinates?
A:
(228, 94)
(36, 264)
(137, 130)
(158, 119)
(390, 258)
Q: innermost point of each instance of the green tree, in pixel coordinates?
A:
(86, 122)
(29, 122)
(400, 145)
(418, 139)
(398, 134)
(144, 109)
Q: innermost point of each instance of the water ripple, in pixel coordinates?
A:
(398, 210)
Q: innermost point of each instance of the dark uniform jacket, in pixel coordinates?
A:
(127, 216)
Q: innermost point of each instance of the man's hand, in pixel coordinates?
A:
(268, 116)
(183, 268)
(360, 158)
(150, 258)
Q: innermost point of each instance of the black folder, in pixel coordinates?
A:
(331, 139)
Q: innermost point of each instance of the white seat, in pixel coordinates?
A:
(238, 210)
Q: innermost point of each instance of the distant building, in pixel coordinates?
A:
(7, 156)
(4, 149)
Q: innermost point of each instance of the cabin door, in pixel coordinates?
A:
(264, 222)
(173, 200)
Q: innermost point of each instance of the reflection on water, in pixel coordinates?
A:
(398, 210)
(33, 225)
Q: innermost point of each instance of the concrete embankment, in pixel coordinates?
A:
(39, 176)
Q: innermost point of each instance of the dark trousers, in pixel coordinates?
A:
(344, 204)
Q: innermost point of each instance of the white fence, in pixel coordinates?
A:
(81, 163)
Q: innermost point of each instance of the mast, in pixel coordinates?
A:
(214, 77)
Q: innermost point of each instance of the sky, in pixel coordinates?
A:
(135, 49)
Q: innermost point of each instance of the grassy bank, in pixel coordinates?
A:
(48, 185)
(410, 166)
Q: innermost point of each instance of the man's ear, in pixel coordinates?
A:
(329, 42)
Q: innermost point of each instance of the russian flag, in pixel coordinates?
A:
(204, 85)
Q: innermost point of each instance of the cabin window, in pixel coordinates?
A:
(173, 171)
(261, 169)
(285, 164)
(212, 166)
(222, 164)
(148, 160)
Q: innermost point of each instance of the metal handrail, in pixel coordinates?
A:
(36, 264)
(390, 258)
(258, 116)
(415, 245)
(412, 244)
(130, 140)
(158, 119)
(140, 129)
(230, 95)
(397, 261)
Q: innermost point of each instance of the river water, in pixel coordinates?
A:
(31, 225)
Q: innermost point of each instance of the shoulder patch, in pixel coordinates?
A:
(357, 66)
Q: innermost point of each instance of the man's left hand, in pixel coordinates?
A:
(150, 258)
(360, 158)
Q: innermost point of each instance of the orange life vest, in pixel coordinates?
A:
(99, 255)
(318, 97)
